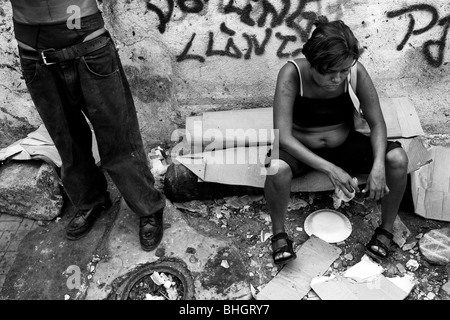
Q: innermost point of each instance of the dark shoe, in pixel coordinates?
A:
(151, 231)
(286, 246)
(83, 221)
(380, 244)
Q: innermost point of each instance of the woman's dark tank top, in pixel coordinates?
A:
(312, 112)
(43, 24)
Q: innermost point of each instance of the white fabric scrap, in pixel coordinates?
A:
(364, 271)
(339, 196)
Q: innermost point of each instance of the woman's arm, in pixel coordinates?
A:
(370, 106)
(286, 91)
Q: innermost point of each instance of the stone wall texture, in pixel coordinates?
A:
(185, 57)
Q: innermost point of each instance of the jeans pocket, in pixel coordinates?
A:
(29, 69)
(102, 62)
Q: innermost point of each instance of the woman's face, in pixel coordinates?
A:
(334, 76)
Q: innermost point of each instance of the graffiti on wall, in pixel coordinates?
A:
(261, 14)
(293, 14)
(439, 45)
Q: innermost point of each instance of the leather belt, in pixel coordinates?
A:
(52, 56)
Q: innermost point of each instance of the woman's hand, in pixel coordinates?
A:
(376, 183)
(341, 180)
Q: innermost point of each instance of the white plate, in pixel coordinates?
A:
(329, 225)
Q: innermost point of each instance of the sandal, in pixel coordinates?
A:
(286, 248)
(378, 244)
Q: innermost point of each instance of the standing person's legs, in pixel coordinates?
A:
(57, 96)
(112, 113)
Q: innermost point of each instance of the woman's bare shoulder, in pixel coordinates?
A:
(300, 63)
(361, 69)
(290, 70)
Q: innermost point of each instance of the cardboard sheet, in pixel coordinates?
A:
(340, 288)
(251, 132)
(401, 118)
(430, 186)
(212, 166)
(238, 128)
(293, 282)
(39, 145)
(230, 166)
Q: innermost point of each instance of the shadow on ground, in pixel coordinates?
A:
(48, 266)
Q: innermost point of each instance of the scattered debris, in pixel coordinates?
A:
(157, 286)
(195, 206)
(348, 256)
(157, 279)
(157, 160)
(253, 291)
(91, 266)
(401, 232)
(431, 295)
(265, 236)
(412, 265)
(400, 268)
(246, 220)
(409, 246)
(311, 197)
(236, 202)
(296, 203)
(148, 296)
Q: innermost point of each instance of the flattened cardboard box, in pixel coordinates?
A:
(230, 147)
(430, 186)
(314, 257)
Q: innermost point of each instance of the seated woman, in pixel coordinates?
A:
(313, 113)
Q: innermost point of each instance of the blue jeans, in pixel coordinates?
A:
(94, 86)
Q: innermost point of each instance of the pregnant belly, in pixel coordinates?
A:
(322, 137)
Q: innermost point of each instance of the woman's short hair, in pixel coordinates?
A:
(330, 44)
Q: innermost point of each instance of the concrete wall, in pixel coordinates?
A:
(184, 57)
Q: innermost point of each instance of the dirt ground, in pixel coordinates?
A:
(245, 220)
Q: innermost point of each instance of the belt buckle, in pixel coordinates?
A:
(44, 58)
